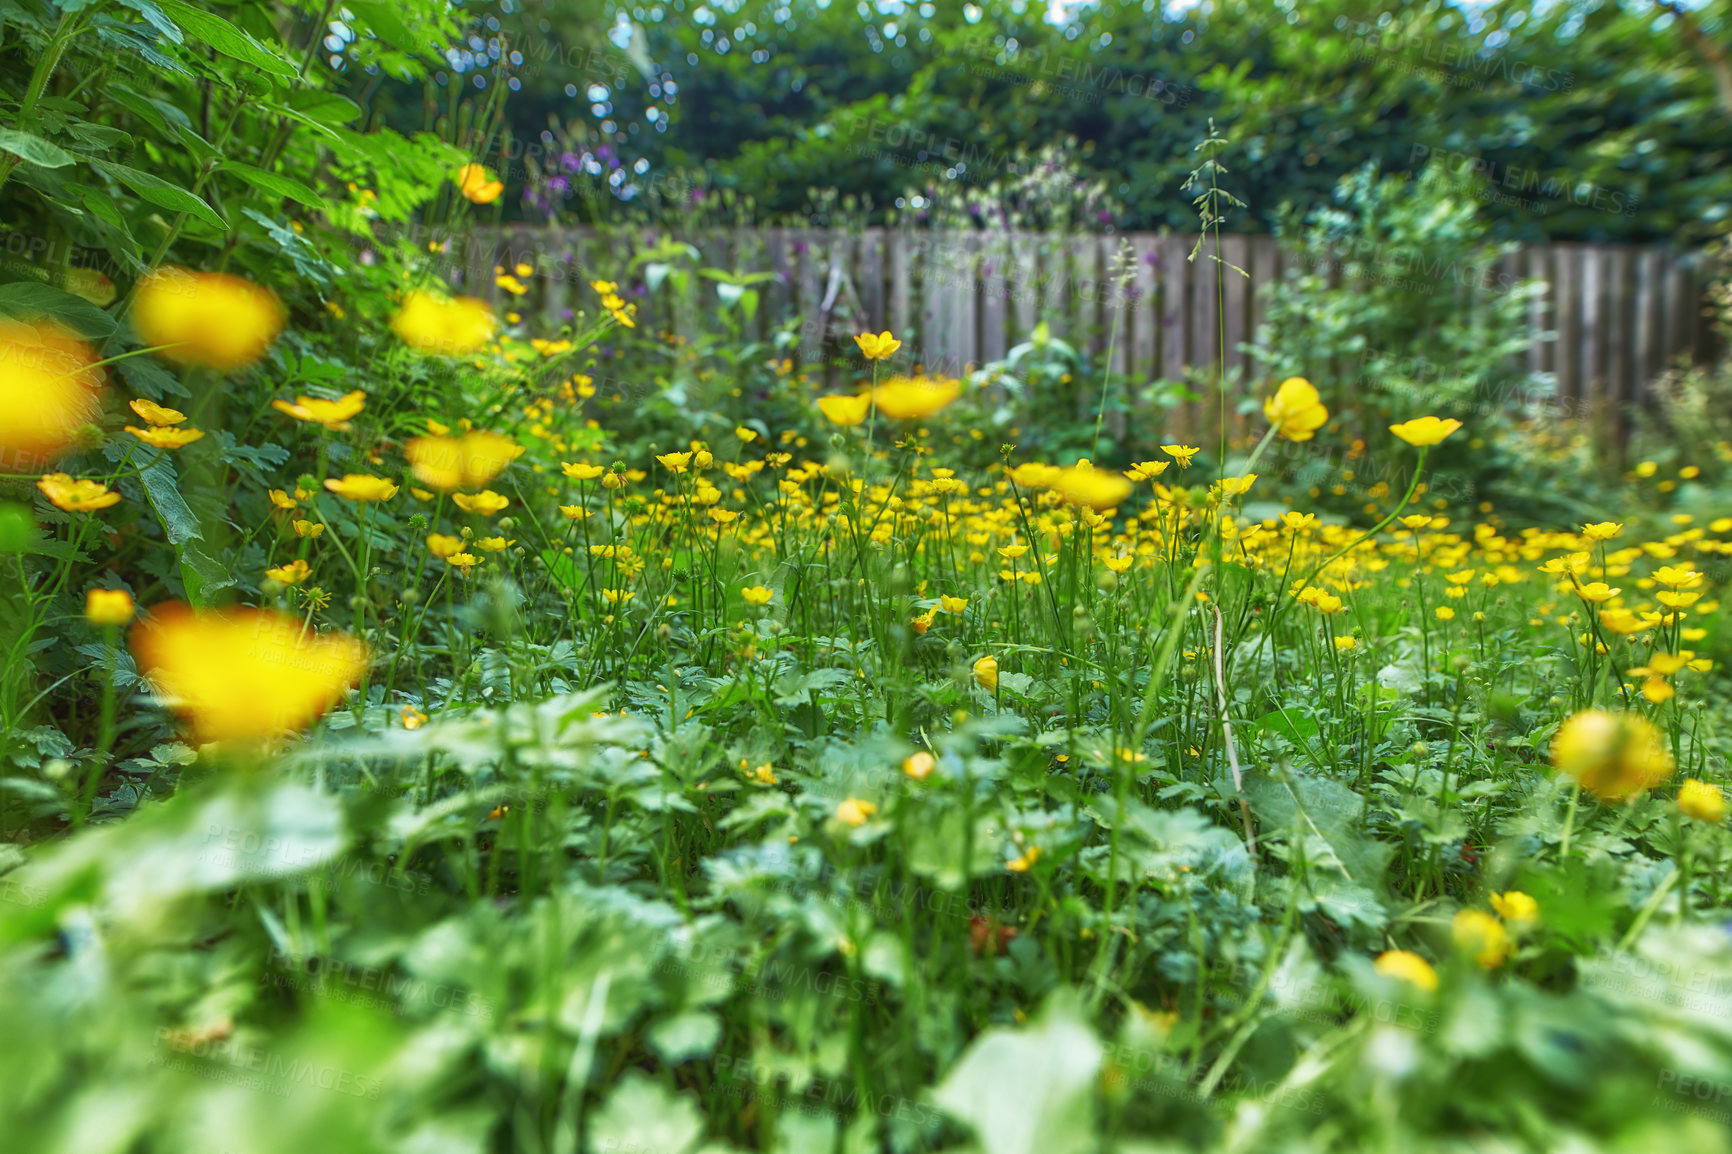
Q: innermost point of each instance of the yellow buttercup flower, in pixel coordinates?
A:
(1083, 484)
(1146, 470)
(362, 487)
(1296, 411)
(879, 347)
(165, 437)
(1612, 755)
(675, 462)
(986, 673)
(923, 621)
(843, 410)
(245, 673)
(413, 718)
(442, 326)
(953, 604)
(466, 462)
(476, 183)
(1704, 802)
(49, 389)
(1407, 966)
(1022, 863)
(76, 496)
(307, 529)
(1603, 531)
(1596, 592)
(283, 501)
(1346, 643)
(109, 607)
(757, 595)
(485, 503)
(204, 319)
(581, 472)
(442, 545)
(494, 544)
(463, 562)
(293, 573)
(919, 765)
(1181, 453)
(745, 434)
(155, 414)
(855, 812)
(1516, 908)
(1482, 935)
(913, 398)
(1424, 431)
(722, 516)
(334, 415)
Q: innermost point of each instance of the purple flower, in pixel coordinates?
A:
(570, 161)
(367, 257)
(559, 184)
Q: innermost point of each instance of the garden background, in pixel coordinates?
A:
(923, 577)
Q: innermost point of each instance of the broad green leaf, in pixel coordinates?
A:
(31, 299)
(161, 193)
(226, 38)
(642, 1114)
(34, 149)
(275, 184)
(1029, 1091)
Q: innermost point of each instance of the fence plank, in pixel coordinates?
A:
(1142, 312)
(1176, 325)
(896, 257)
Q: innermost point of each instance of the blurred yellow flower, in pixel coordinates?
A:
(283, 501)
(49, 389)
(919, 765)
(362, 487)
(1408, 967)
(109, 607)
(413, 718)
(1482, 935)
(1602, 531)
(757, 595)
(582, 472)
(1704, 802)
(1424, 431)
(208, 320)
(245, 673)
(843, 410)
(442, 545)
(1084, 484)
(986, 672)
(493, 544)
(476, 183)
(855, 812)
(1296, 411)
(745, 434)
(308, 529)
(466, 462)
(923, 621)
(1516, 908)
(485, 503)
(442, 326)
(877, 348)
(913, 398)
(334, 415)
(76, 496)
(463, 562)
(1611, 755)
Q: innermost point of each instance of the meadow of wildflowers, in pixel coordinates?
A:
(412, 740)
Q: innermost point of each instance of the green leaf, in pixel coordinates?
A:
(689, 1035)
(564, 570)
(30, 299)
(34, 149)
(227, 39)
(274, 184)
(325, 107)
(17, 529)
(1029, 1091)
(642, 1114)
(161, 193)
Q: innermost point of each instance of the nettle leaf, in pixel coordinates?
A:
(227, 39)
(153, 16)
(34, 149)
(161, 193)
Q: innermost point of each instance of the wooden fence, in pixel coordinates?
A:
(1611, 318)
